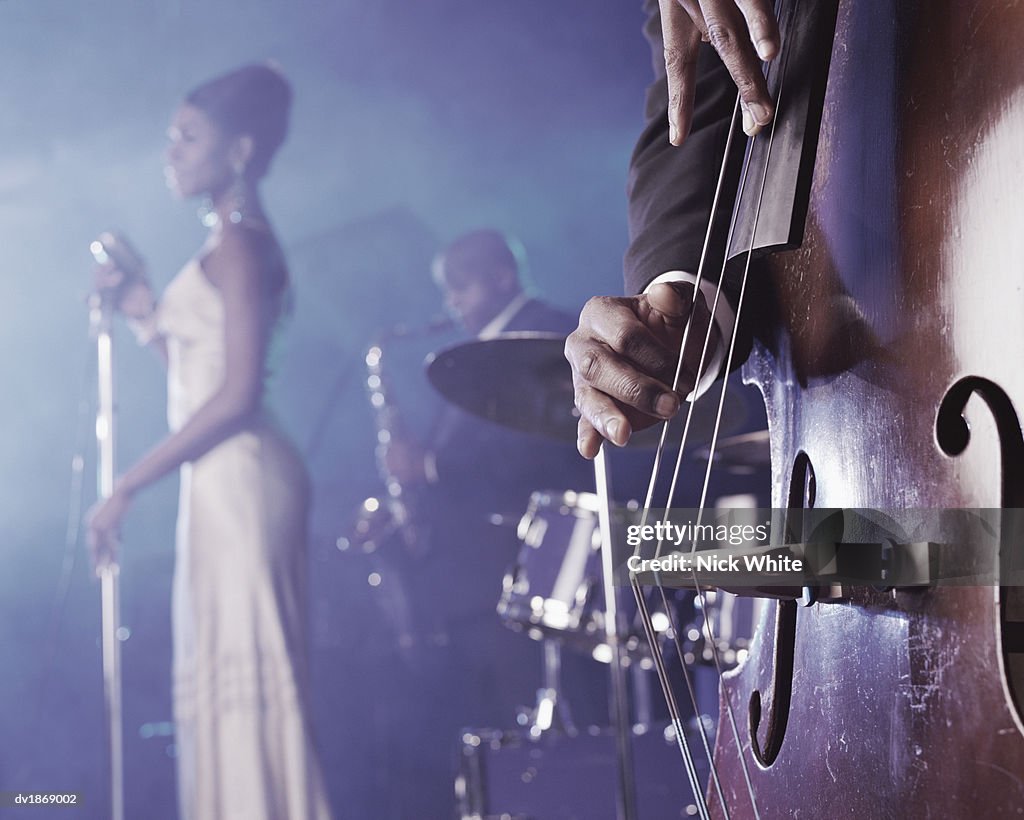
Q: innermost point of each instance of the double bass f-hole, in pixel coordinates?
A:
(770, 714)
(953, 432)
(953, 435)
(902, 702)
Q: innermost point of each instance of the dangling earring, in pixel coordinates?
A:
(207, 214)
(237, 195)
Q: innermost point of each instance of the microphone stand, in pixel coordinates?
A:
(100, 327)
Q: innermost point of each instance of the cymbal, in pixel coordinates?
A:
(522, 381)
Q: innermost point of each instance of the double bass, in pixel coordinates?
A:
(893, 378)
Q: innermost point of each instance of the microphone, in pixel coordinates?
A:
(112, 247)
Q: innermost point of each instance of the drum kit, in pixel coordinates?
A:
(555, 591)
(560, 591)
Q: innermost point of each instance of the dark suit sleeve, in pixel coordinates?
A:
(671, 189)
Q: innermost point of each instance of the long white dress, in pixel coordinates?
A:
(245, 749)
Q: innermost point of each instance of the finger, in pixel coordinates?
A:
(681, 40)
(675, 318)
(603, 414)
(98, 549)
(108, 278)
(604, 370)
(107, 552)
(672, 305)
(673, 302)
(763, 27)
(700, 339)
(620, 324)
(692, 8)
(588, 440)
(730, 37)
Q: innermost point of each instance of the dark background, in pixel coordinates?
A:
(412, 123)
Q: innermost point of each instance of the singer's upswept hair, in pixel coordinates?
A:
(254, 100)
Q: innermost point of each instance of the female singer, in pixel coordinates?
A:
(239, 605)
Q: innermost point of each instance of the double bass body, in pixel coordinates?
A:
(894, 379)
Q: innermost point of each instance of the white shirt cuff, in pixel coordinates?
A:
(724, 317)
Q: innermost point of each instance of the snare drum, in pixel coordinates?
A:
(552, 589)
(555, 591)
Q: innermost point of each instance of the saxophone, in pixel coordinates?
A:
(381, 517)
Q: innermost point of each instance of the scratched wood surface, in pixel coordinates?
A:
(904, 303)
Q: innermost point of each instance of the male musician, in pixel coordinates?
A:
(624, 352)
(475, 462)
(480, 275)
(473, 481)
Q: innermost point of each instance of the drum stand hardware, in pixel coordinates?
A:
(552, 710)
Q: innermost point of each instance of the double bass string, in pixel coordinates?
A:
(656, 469)
(703, 500)
(642, 605)
(641, 600)
(721, 403)
(674, 709)
(699, 591)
